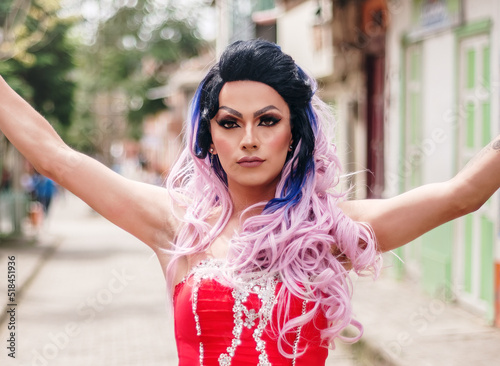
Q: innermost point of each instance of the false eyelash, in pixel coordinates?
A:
(272, 119)
(223, 122)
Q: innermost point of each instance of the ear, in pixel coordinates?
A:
(212, 149)
(291, 144)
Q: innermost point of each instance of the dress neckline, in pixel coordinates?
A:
(207, 262)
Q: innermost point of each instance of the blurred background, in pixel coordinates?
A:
(414, 84)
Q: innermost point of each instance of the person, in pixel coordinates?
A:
(44, 189)
(253, 233)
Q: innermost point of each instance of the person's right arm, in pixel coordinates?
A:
(139, 208)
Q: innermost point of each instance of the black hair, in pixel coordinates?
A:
(265, 62)
(262, 61)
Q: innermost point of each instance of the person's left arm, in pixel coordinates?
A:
(399, 220)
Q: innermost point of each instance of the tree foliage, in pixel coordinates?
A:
(130, 48)
(133, 51)
(36, 57)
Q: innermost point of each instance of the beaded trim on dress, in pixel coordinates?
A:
(265, 288)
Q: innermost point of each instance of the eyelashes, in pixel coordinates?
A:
(227, 123)
(266, 121)
(269, 120)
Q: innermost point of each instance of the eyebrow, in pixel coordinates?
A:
(232, 111)
(257, 113)
(264, 110)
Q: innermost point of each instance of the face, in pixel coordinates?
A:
(251, 134)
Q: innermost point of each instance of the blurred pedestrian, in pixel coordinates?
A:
(255, 239)
(44, 191)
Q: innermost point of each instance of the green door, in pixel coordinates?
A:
(475, 233)
(412, 136)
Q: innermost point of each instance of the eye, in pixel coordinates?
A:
(227, 124)
(268, 121)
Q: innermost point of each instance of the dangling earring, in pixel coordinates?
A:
(211, 160)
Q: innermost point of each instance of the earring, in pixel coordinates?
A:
(290, 148)
(211, 160)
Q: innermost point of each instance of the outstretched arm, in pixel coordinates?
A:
(138, 208)
(398, 220)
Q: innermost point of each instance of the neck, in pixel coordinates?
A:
(244, 197)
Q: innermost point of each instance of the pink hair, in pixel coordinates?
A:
(312, 245)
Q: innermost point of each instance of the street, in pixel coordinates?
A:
(98, 299)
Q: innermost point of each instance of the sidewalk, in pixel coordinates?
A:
(403, 327)
(91, 294)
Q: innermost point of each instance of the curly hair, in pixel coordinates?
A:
(301, 234)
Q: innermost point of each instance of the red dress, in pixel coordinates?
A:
(218, 325)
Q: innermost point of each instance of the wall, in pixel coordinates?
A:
(423, 97)
(307, 37)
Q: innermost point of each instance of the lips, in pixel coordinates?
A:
(250, 161)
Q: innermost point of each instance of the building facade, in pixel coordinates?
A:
(443, 108)
(413, 86)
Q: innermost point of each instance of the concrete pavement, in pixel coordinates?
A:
(90, 294)
(97, 298)
(403, 327)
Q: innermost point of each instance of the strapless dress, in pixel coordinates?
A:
(216, 324)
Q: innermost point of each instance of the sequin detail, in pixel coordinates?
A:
(264, 288)
(196, 317)
(297, 338)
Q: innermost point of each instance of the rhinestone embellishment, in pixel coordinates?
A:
(297, 338)
(264, 288)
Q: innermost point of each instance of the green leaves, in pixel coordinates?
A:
(134, 50)
(124, 49)
(37, 57)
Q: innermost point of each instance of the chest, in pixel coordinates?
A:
(218, 250)
(220, 325)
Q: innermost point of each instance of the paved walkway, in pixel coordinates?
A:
(403, 327)
(99, 298)
(92, 295)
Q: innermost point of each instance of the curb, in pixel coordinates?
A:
(20, 246)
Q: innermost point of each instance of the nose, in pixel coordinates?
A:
(250, 140)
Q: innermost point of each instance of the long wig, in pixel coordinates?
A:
(301, 235)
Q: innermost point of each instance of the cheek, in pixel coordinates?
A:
(223, 148)
(279, 142)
